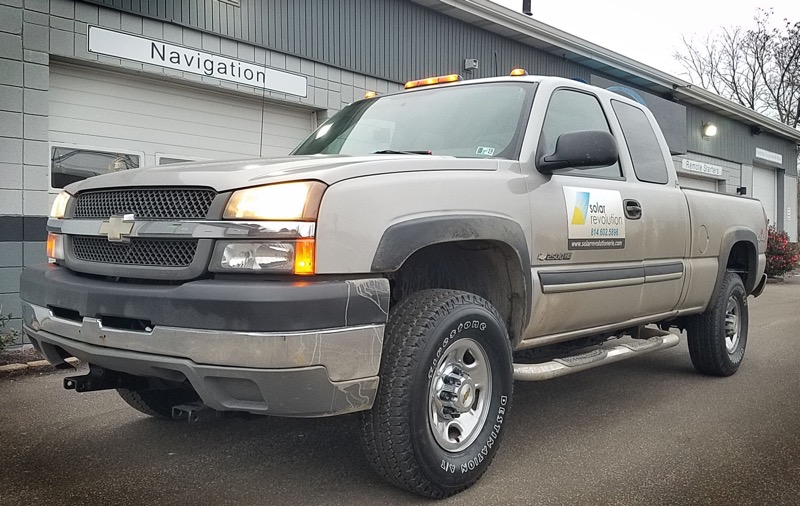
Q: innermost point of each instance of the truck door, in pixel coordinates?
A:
(664, 212)
(587, 253)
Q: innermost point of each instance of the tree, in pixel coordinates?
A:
(757, 67)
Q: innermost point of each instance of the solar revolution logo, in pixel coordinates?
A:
(595, 219)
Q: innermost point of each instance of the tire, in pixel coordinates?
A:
(411, 436)
(718, 337)
(157, 403)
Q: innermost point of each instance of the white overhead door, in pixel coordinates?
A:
(697, 183)
(153, 121)
(765, 189)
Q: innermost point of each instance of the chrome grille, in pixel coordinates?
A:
(145, 203)
(145, 252)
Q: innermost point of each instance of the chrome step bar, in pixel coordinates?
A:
(650, 340)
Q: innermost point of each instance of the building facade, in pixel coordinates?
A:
(88, 87)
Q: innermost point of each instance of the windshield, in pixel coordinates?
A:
(484, 120)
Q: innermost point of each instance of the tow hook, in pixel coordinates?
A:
(99, 378)
(195, 412)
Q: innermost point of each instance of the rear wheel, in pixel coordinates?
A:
(445, 391)
(157, 403)
(718, 337)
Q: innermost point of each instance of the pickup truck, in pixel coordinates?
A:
(413, 257)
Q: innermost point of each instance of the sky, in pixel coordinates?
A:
(650, 32)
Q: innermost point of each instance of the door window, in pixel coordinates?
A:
(574, 111)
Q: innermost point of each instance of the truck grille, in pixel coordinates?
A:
(158, 204)
(145, 252)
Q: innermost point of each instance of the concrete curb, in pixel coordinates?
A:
(34, 365)
(12, 368)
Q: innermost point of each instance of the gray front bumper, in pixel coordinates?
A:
(309, 373)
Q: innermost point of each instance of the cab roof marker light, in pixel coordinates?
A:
(519, 72)
(370, 94)
(451, 78)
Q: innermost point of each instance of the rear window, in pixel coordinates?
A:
(643, 146)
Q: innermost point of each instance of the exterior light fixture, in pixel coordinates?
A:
(709, 130)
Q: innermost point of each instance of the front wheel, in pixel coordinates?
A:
(718, 337)
(444, 395)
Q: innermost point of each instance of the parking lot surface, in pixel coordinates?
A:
(644, 431)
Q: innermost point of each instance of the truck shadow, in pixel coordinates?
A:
(247, 459)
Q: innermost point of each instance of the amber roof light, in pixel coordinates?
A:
(451, 78)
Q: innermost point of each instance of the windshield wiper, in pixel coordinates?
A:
(407, 152)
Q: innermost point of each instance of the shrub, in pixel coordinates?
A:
(7, 337)
(782, 256)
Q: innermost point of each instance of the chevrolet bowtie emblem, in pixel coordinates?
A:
(117, 228)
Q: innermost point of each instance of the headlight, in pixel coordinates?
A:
(283, 201)
(292, 256)
(60, 205)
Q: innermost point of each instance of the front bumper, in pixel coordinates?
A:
(322, 371)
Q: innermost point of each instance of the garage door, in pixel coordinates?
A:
(106, 120)
(697, 183)
(765, 189)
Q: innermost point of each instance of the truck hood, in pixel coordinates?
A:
(232, 175)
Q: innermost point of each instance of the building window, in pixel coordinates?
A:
(168, 160)
(69, 164)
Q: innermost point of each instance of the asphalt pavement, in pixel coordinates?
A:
(648, 431)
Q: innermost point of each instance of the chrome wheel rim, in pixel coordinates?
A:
(733, 324)
(460, 393)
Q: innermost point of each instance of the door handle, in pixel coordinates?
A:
(633, 209)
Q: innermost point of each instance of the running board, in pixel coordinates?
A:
(651, 340)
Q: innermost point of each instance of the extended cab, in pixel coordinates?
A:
(415, 255)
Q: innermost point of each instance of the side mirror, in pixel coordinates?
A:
(581, 150)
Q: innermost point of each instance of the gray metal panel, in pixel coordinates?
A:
(735, 141)
(395, 40)
(398, 40)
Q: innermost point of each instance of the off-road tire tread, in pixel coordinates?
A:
(156, 403)
(706, 350)
(385, 434)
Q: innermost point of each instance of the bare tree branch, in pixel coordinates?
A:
(758, 67)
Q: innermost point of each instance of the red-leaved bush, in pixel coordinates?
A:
(782, 256)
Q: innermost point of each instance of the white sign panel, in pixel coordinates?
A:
(769, 156)
(595, 218)
(165, 54)
(701, 167)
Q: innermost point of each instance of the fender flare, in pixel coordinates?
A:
(403, 239)
(730, 238)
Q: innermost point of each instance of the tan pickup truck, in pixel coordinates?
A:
(418, 253)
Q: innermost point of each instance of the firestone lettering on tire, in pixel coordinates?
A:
(466, 325)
